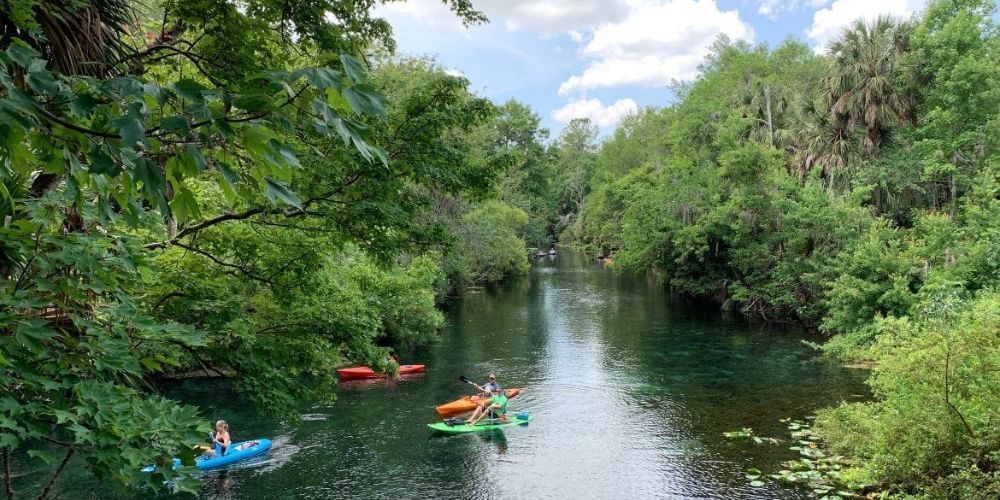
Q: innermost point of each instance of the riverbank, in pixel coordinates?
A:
(629, 389)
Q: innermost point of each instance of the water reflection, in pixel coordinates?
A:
(630, 392)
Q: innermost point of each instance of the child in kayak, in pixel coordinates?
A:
(496, 408)
(221, 440)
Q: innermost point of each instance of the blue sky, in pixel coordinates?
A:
(602, 59)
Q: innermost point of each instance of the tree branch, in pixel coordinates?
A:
(204, 366)
(165, 298)
(223, 263)
(947, 392)
(56, 474)
(72, 126)
(8, 489)
(194, 228)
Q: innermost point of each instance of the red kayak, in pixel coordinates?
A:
(360, 372)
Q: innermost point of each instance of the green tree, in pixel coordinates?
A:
(574, 157)
(130, 145)
(515, 138)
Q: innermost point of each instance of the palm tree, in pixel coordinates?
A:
(764, 104)
(822, 140)
(857, 103)
(863, 81)
(76, 37)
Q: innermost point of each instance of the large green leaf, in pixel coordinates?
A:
(276, 190)
(189, 89)
(184, 205)
(365, 100)
(355, 71)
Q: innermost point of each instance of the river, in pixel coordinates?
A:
(630, 392)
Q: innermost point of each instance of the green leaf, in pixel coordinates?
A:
(277, 190)
(184, 205)
(32, 333)
(63, 416)
(325, 78)
(757, 484)
(277, 153)
(41, 455)
(355, 71)
(253, 103)
(176, 124)
(228, 174)
(83, 105)
(102, 163)
(194, 155)
(154, 183)
(189, 89)
(365, 100)
(131, 130)
(40, 79)
(21, 53)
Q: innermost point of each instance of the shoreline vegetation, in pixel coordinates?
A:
(265, 195)
(855, 191)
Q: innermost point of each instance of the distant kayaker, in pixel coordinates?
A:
(492, 387)
(496, 407)
(220, 439)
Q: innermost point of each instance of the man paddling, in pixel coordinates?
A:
(496, 408)
(492, 387)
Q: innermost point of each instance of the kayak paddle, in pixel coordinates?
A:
(467, 381)
(473, 384)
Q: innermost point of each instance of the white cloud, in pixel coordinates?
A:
(657, 42)
(455, 72)
(545, 16)
(554, 16)
(603, 116)
(428, 13)
(775, 8)
(827, 23)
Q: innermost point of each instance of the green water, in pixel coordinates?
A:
(630, 394)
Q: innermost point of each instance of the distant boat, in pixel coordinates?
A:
(552, 251)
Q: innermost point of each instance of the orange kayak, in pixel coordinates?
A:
(360, 372)
(467, 403)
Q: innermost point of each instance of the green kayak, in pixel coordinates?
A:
(451, 427)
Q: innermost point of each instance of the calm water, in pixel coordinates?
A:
(631, 393)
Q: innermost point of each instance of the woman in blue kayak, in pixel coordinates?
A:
(496, 408)
(220, 440)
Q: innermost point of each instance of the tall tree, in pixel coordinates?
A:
(574, 157)
(165, 129)
(865, 81)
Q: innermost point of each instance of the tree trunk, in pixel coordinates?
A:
(56, 474)
(954, 194)
(770, 121)
(8, 489)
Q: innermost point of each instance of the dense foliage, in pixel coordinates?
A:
(226, 190)
(855, 190)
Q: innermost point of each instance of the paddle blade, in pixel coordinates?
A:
(463, 379)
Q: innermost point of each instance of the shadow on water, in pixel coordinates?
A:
(630, 392)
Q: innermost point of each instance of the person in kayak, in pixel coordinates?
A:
(496, 408)
(492, 387)
(220, 440)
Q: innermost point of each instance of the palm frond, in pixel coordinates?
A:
(77, 37)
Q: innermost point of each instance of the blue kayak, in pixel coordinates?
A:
(237, 451)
